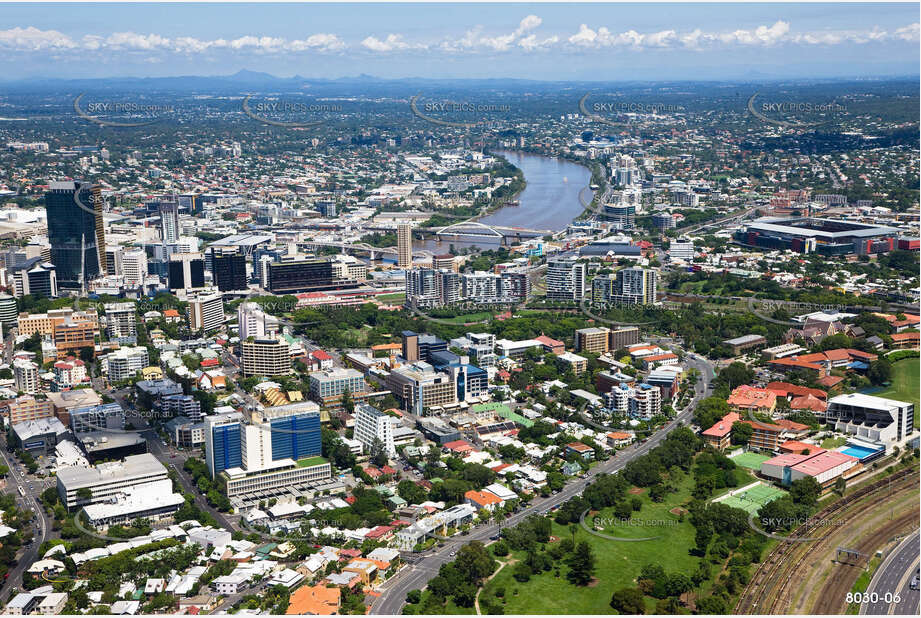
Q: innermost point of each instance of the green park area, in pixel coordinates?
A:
(617, 563)
(467, 318)
(752, 461)
(905, 383)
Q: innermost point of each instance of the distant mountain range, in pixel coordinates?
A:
(255, 81)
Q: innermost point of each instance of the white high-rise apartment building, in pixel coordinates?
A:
(25, 376)
(371, 424)
(565, 279)
(121, 322)
(134, 266)
(206, 312)
(254, 322)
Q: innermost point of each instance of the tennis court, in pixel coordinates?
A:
(752, 461)
(754, 498)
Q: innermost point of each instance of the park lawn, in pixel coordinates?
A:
(617, 563)
(390, 298)
(905, 383)
(469, 317)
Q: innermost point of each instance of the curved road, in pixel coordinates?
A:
(417, 575)
(892, 578)
(28, 502)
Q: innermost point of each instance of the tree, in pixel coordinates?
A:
(734, 375)
(84, 493)
(377, 453)
(709, 411)
(474, 562)
(677, 584)
(880, 371)
(348, 404)
(840, 485)
(521, 572)
(581, 565)
(741, 433)
(628, 601)
(805, 491)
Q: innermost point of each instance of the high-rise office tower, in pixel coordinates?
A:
(169, 222)
(405, 245)
(76, 232)
(223, 447)
(186, 271)
(229, 269)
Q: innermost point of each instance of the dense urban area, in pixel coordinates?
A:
(646, 350)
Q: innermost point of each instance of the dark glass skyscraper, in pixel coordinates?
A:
(75, 231)
(229, 270)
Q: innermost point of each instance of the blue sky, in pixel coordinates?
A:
(533, 40)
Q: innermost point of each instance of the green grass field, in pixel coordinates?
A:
(905, 383)
(618, 563)
(752, 461)
(467, 318)
(753, 499)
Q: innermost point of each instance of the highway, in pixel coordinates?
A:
(892, 580)
(28, 502)
(417, 575)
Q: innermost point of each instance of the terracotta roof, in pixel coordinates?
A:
(482, 498)
(808, 402)
(315, 600)
(785, 389)
(794, 446)
(723, 427)
(748, 396)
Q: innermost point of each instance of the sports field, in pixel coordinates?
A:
(752, 461)
(753, 499)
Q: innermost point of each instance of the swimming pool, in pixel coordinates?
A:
(860, 452)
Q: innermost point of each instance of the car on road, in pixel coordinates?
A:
(453, 553)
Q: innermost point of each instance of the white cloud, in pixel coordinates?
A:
(393, 42)
(909, 33)
(474, 39)
(33, 39)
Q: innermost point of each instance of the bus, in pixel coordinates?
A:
(22, 492)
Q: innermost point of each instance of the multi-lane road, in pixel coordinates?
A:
(27, 502)
(890, 589)
(416, 575)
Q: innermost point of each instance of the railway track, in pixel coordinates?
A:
(770, 584)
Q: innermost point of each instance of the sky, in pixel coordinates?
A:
(602, 42)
